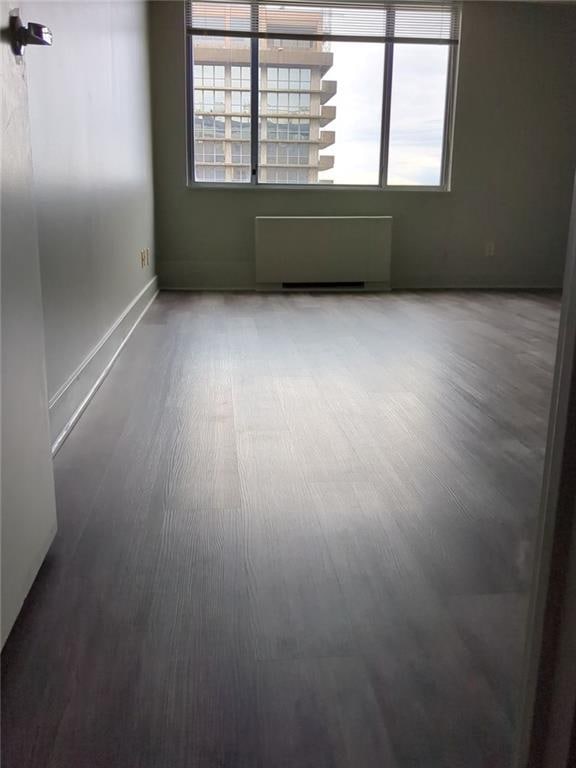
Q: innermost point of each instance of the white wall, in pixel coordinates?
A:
(91, 141)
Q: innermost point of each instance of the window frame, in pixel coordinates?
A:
(445, 184)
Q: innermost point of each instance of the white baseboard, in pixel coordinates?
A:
(68, 403)
(465, 283)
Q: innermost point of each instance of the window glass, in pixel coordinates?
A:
(240, 77)
(205, 21)
(286, 176)
(282, 128)
(285, 103)
(293, 78)
(209, 151)
(303, 28)
(240, 101)
(241, 153)
(319, 104)
(419, 83)
(210, 173)
(221, 79)
(209, 75)
(209, 101)
(241, 174)
(209, 127)
(331, 103)
(240, 127)
(288, 154)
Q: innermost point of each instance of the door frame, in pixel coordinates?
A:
(547, 732)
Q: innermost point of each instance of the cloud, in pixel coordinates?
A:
(418, 97)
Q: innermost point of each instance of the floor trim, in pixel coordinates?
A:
(69, 402)
(375, 288)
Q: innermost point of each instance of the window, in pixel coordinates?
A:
(281, 25)
(286, 103)
(219, 113)
(209, 151)
(209, 75)
(364, 98)
(241, 174)
(288, 154)
(240, 101)
(286, 176)
(209, 127)
(419, 82)
(210, 173)
(240, 77)
(241, 153)
(293, 78)
(240, 127)
(209, 101)
(281, 128)
(274, 42)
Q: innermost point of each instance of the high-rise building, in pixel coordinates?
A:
(292, 106)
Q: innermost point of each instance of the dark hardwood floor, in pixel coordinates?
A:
(295, 532)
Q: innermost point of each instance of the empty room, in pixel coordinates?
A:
(288, 326)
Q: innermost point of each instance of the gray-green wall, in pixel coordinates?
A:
(513, 165)
(90, 120)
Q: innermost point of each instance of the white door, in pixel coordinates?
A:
(28, 506)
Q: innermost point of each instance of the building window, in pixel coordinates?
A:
(240, 127)
(289, 78)
(287, 103)
(209, 151)
(286, 176)
(288, 154)
(280, 25)
(241, 174)
(364, 98)
(210, 173)
(283, 129)
(209, 101)
(209, 127)
(274, 42)
(240, 101)
(209, 75)
(240, 77)
(241, 153)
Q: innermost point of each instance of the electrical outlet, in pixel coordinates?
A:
(147, 257)
(142, 259)
(490, 248)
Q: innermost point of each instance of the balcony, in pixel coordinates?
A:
(328, 90)
(327, 114)
(327, 138)
(219, 55)
(298, 57)
(326, 162)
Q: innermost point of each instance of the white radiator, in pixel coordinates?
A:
(323, 250)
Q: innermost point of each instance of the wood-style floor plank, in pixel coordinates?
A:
(295, 531)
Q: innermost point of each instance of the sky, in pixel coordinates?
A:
(417, 114)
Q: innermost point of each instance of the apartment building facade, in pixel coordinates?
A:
(293, 110)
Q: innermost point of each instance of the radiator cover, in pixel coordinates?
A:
(323, 249)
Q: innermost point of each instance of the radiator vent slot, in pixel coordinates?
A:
(322, 286)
